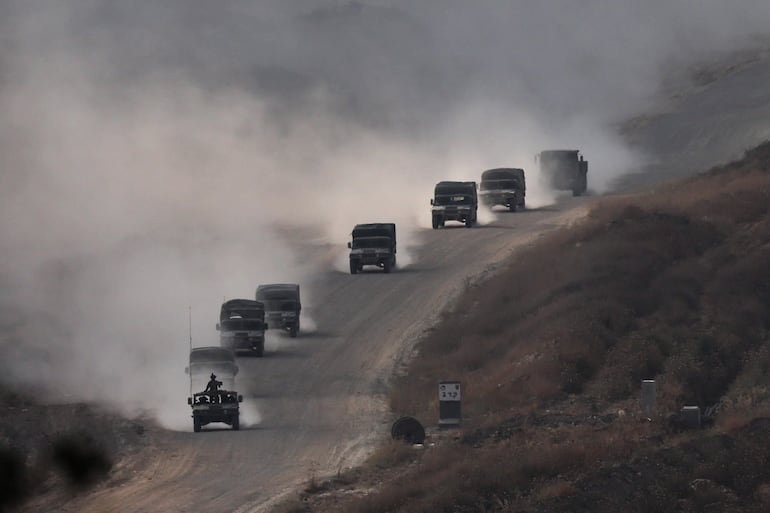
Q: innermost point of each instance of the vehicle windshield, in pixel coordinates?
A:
(281, 305)
(371, 243)
(211, 354)
(274, 295)
(558, 156)
(452, 199)
(499, 184)
(221, 397)
(241, 325)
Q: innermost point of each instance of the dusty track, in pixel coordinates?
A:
(322, 396)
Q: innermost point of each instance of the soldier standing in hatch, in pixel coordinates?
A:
(213, 384)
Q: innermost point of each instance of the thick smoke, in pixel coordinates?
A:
(160, 156)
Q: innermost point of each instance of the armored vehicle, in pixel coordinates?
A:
(218, 406)
(503, 186)
(242, 326)
(454, 201)
(373, 244)
(563, 170)
(282, 306)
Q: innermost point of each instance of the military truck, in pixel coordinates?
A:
(563, 170)
(503, 186)
(211, 359)
(373, 244)
(282, 306)
(454, 201)
(242, 326)
(219, 406)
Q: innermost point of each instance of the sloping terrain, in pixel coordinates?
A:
(671, 285)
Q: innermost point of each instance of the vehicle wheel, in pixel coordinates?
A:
(386, 265)
(236, 423)
(260, 351)
(436, 222)
(576, 192)
(294, 330)
(353, 267)
(469, 223)
(196, 425)
(512, 207)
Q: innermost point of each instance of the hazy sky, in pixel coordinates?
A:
(151, 149)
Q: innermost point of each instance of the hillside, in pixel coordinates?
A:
(672, 284)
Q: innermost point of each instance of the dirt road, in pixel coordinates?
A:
(321, 397)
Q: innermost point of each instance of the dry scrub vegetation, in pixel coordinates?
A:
(673, 285)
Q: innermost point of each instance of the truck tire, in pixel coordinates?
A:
(469, 222)
(409, 430)
(196, 425)
(353, 267)
(236, 422)
(512, 207)
(436, 222)
(386, 265)
(260, 351)
(294, 330)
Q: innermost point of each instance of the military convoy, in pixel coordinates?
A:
(373, 244)
(563, 170)
(503, 186)
(282, 306)
(454, 201)
(242, 326)
(242, 322)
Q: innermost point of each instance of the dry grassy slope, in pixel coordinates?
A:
(674, 285)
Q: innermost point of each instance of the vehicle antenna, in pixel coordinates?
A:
(189, 319)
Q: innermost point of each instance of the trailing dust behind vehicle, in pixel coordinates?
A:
(564, 170)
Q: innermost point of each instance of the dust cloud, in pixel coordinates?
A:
(158, 158)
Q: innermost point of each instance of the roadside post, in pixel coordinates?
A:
(649, 400)
(690, 416)
(449, 400)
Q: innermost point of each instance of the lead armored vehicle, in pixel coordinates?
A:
(563, 170)
(373, 244)
(454, 201)
(242, 326)
(213, 404)
(219, 406)
(503, 186)
(282, 306)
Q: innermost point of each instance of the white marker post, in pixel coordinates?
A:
(449, 400)
(649, 398)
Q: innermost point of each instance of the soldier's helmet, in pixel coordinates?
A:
(213, 376)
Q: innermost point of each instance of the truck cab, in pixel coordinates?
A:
(242, 326)
(373, 244)
(282, 306)
(454, 201)
(503, 186)
(564, 170)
